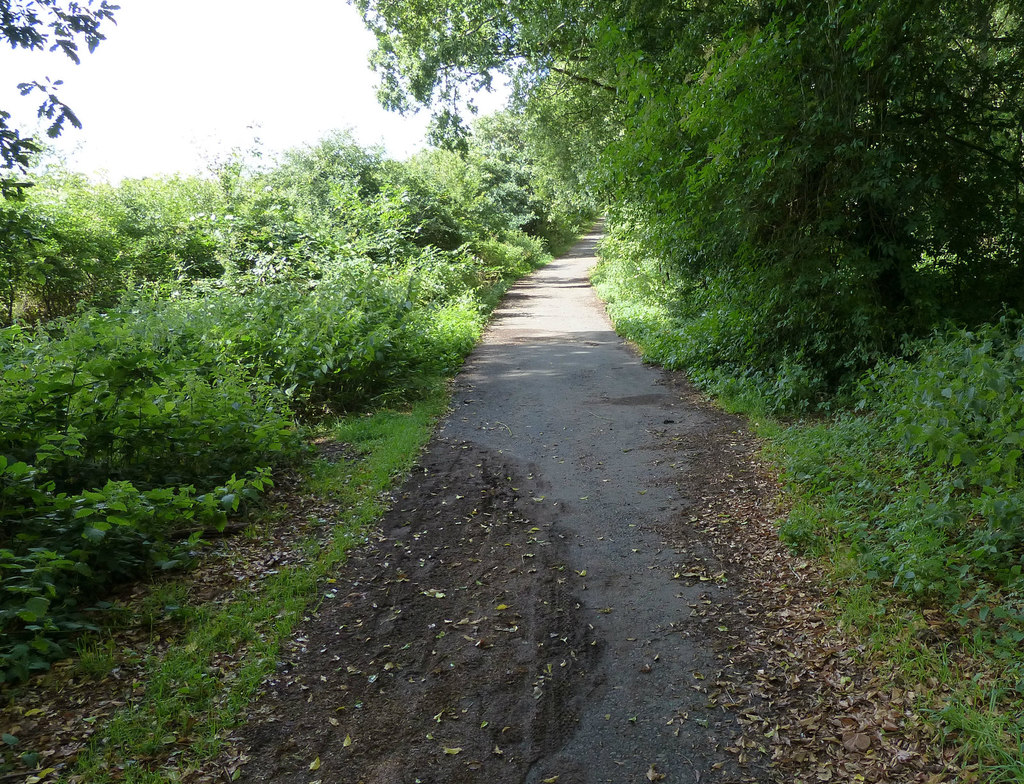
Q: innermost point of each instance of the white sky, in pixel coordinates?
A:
(180, 82)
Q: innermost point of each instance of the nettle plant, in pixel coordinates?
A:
(959, 410)
(112, 449)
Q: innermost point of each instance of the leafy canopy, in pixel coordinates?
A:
(838, 174)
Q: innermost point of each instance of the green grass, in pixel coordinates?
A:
(96, 657)
(190, 702)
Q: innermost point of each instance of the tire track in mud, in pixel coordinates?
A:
(524, 614)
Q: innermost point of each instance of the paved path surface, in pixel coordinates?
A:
(553, 386)
(522, 617)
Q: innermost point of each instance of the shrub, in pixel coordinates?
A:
(924, 483)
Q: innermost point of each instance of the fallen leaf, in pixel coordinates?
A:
(653, 775)
(453, 751)
(856, 741)
(315, 764)
(348, 741)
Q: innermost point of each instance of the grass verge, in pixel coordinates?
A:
(191, 696)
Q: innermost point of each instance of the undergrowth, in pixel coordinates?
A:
(125, 434)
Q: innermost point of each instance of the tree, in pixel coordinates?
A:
(56, 25)
(840, 173)
(437, 52)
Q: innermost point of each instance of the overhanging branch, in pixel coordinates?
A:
(583, 79)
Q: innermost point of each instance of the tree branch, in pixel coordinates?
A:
(583, 79)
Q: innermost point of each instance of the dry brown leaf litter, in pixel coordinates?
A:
(817, 705)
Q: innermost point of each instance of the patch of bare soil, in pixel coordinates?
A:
(449, 650)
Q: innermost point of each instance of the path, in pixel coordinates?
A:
(523, 616)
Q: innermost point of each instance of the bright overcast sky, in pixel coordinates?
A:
(179, 82)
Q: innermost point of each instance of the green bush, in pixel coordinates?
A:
(140, 404)
(114, 437)
(738, 338)
(71, 241)
(924, 483)
(516, 254)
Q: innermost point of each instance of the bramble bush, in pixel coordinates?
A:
(112, 443)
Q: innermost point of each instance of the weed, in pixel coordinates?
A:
(96, 657)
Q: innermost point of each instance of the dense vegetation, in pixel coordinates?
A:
(168, 339)
(817, 210)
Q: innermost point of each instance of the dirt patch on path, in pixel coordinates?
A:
(554, 595)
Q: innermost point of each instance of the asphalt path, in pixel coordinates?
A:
(610, 444)
(528, 610)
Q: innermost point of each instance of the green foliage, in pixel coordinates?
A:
(925, 486)
(227, 311)
(55, 251)
(731, 343)
(70, 547)
(69, 241)
(112, 443)
(114, 396)
(166, 228)
(918, 492)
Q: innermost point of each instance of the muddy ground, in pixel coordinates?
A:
(579, 583)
